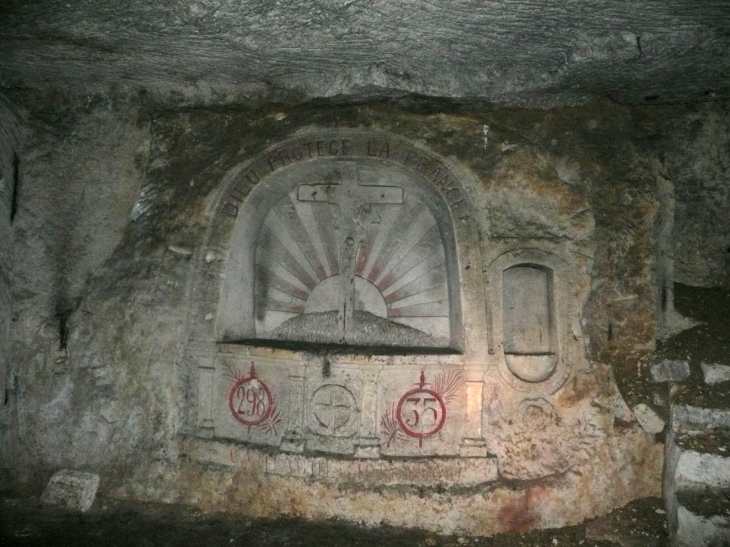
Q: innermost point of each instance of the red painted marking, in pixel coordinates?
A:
(362, 259)
(306, 280)
(250, 400)
(396, 295)
(236, 457)
(375, 272)
(518, 515)
(395, 312)
(386, 282)
(299, 293)
(301, 275)
(421, 412)
(334, 264)
(320, 271)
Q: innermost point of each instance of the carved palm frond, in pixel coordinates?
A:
(232, 372)
(391, 427)
(270, 423)
(447, 384)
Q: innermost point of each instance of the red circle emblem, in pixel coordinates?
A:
(250, 401)
(421, 412)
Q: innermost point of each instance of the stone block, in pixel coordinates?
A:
(715, 374)
(693, 417)
(648, 419)
(369, 470)
(367, 451)
(695, 468)
(703, 519)
(473, 448)
(71, 489)
(669, 371)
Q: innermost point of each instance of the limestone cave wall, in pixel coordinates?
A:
(115, 196)
(10, 142)
(699, 167)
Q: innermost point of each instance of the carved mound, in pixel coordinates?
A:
(325, 327)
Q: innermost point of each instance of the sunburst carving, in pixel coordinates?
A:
(376, 249)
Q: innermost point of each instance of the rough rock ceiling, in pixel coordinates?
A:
(534, 53)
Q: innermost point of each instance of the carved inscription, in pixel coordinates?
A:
(538, 414)
(423, 471)
(297, 466)
(357, 146)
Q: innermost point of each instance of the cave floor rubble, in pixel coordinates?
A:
(24, 522)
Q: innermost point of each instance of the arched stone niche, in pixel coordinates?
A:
(339, 272)
(479, 399)
(344, 252)
(530, 319)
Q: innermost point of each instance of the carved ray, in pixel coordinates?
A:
(276, 278)
(409, 212)
(316, 252)
(407, 298)
(290, 217)
(275, 305)
(420, 225)
(429, 280)
(433, 262)
(275, 294)
(389, 215)
(365, 250)
(272, 251)
(429, 244)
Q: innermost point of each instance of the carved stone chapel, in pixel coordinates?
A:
(459, 268)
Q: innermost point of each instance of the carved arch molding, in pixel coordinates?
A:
(362, 243)
(345, 240)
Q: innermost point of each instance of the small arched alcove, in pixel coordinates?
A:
(530, 301)
(528, 321)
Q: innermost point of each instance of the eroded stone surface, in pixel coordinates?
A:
(133, 390)
(701, 531)
(514, 53)
(648, 419)
(71, 489)
(301, 487)
(699, 468)
(11, 137)
(714, 373)
(669, 371)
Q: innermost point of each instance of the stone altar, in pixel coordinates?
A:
(354, 323)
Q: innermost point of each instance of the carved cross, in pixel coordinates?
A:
(354, 201)
(332, 413)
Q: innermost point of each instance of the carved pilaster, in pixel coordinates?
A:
(203, 354)
(294, 437)
(368, 442)
(206, 376)
(473, 445)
